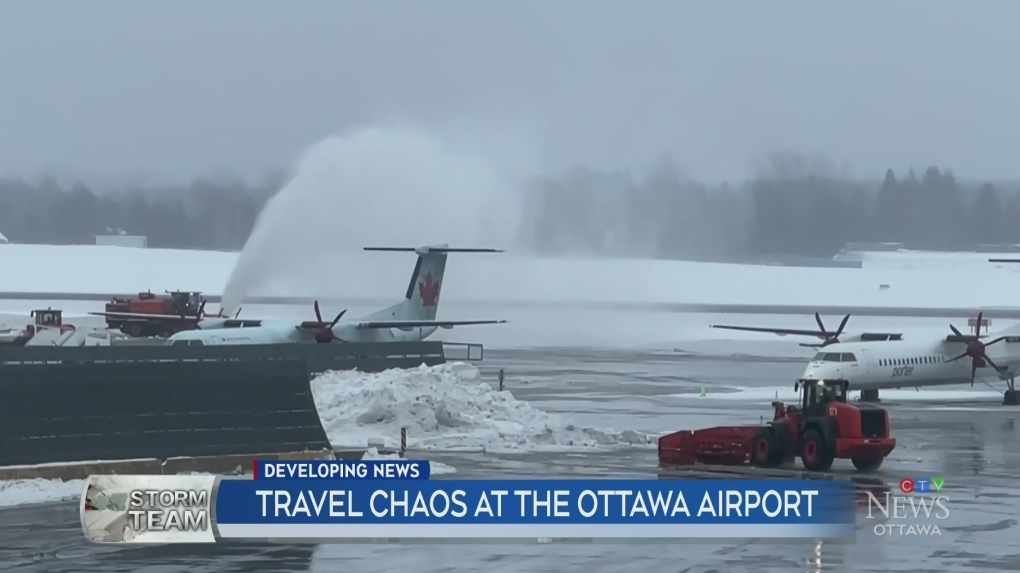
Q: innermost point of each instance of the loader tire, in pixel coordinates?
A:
(814, 453)
(765, 449)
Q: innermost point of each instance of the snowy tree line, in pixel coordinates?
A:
(795, 205)
(205, 214)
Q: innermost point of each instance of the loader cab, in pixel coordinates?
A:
(48, 317)
(815, 395)
(185, 302)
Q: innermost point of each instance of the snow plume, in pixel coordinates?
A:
(382, 186)
(445, 407)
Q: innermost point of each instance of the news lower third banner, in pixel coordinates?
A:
(396, 500)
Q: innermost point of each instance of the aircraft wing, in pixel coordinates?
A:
(409, 324)
(776, 331)
(143, 316)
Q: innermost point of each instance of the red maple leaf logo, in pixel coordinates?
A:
(429, 291)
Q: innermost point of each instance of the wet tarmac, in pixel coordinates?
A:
(970, 442)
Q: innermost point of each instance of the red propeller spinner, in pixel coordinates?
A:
(826, 336)
(325, 333)
(975, 348)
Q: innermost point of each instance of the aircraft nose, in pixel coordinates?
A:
(821, 372)
(818, 372)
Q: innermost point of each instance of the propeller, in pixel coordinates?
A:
(325, 334)
(828, 337)
(975, 348)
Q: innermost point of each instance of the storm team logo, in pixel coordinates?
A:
(106, 517)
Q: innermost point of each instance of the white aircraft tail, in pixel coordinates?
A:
(421, 301)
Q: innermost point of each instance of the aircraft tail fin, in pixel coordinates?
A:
(421, 301)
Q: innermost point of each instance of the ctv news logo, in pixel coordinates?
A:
(916, 510)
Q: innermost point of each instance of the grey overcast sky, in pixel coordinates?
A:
(179, 88)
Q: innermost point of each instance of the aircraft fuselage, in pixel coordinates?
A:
(286, 333)
(908, 364)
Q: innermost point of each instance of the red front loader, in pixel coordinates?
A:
(820, 429)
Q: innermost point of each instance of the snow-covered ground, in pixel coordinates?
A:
(926, 260)
(23, 492)
(510, 278)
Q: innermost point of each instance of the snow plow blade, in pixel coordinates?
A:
(723, 445)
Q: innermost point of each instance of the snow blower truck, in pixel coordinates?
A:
(822, 428)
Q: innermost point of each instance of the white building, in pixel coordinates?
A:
(137, 241)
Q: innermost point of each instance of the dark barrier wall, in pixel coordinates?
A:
(111, 411)
(76, 404)
(367, 357)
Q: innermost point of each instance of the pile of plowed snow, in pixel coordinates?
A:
(446, 407)
(26, 491)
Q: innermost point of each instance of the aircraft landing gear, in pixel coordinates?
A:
(869, 396)
(1011, 397)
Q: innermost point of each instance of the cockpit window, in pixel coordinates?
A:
(831, 357)
(180, 343)
(849, 357)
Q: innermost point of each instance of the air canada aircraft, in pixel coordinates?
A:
(410, 320)
(874, 361)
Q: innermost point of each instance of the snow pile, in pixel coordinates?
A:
(445, 407)
(435, 468)
(28, 491)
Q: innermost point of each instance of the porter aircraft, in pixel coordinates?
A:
(873, 361)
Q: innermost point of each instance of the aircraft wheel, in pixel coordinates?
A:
(128, 533)
(765, 449)
(1011, 398)
(814, 454)
(867, 464)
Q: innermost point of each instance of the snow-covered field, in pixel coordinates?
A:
(926, 260)
(964, 281)
(22, 492)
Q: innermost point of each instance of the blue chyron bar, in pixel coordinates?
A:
(351, 508)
